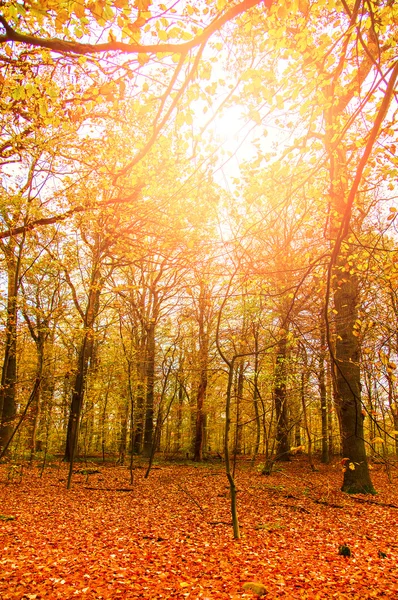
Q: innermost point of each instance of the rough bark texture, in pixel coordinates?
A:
(281, 407)
(150, 382)
(256, 396)
(323, 398)
(9, 370)
(137, 433)
(83, 363)
(239, 401)
(348, 382)
(346, 352)
(203, 357)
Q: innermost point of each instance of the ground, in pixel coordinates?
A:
(170, 536)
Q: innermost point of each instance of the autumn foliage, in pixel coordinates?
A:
(170, 536)
(198, 254)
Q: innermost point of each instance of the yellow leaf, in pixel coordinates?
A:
(255, 115)
(221, 4)
(143, 58)
(351, 466)
(377, 440)
(163, 35)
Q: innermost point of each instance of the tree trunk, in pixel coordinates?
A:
(78, 396)
(323, 398)
(231, 481)
(280, 400)
(35, 407)
(344, 286)
(239, 400)
(124, 419)
(199, 428)
(150, 382)
(83, 363)
(305, 418)
(177, 441)
(9, 370)
(348, 386)
(203, 360)
(256, 398)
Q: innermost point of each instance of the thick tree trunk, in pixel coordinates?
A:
(9, 370)
(239, 400)
(124, 419)
(348, 383)
(344, 285)
(231, 481)
(323, 398)
(177, 441)
(83, 363)
(203, 365)
(35, 407)
(150, 383)
(78, 396)
(280, 400)
(138, 411)
(199, 424)
(305, 419)
(256, 397)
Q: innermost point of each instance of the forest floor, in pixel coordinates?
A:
(170, 536)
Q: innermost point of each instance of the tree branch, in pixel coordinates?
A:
(63, 216)
(73, 47)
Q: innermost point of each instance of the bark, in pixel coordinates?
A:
(35, 408)
(199, 424)
(323, 398)
(342, 280)
(138, 409)
(305, 419)
(348, 383)
(329, 398)
(231, 481)
(203, 357)
(395, 418)
(239, 399)
(84, 357)
(280, 400)
(124, 419)
(40, 333)
(150, 382)
(346, 354)
(78, 396)
(82, 48)
(9, 369)
(256, 397)
(177, 442)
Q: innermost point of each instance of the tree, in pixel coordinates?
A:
(329, 108)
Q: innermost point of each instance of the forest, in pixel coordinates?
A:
(198, 298)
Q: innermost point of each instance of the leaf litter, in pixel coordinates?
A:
(171, 536)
